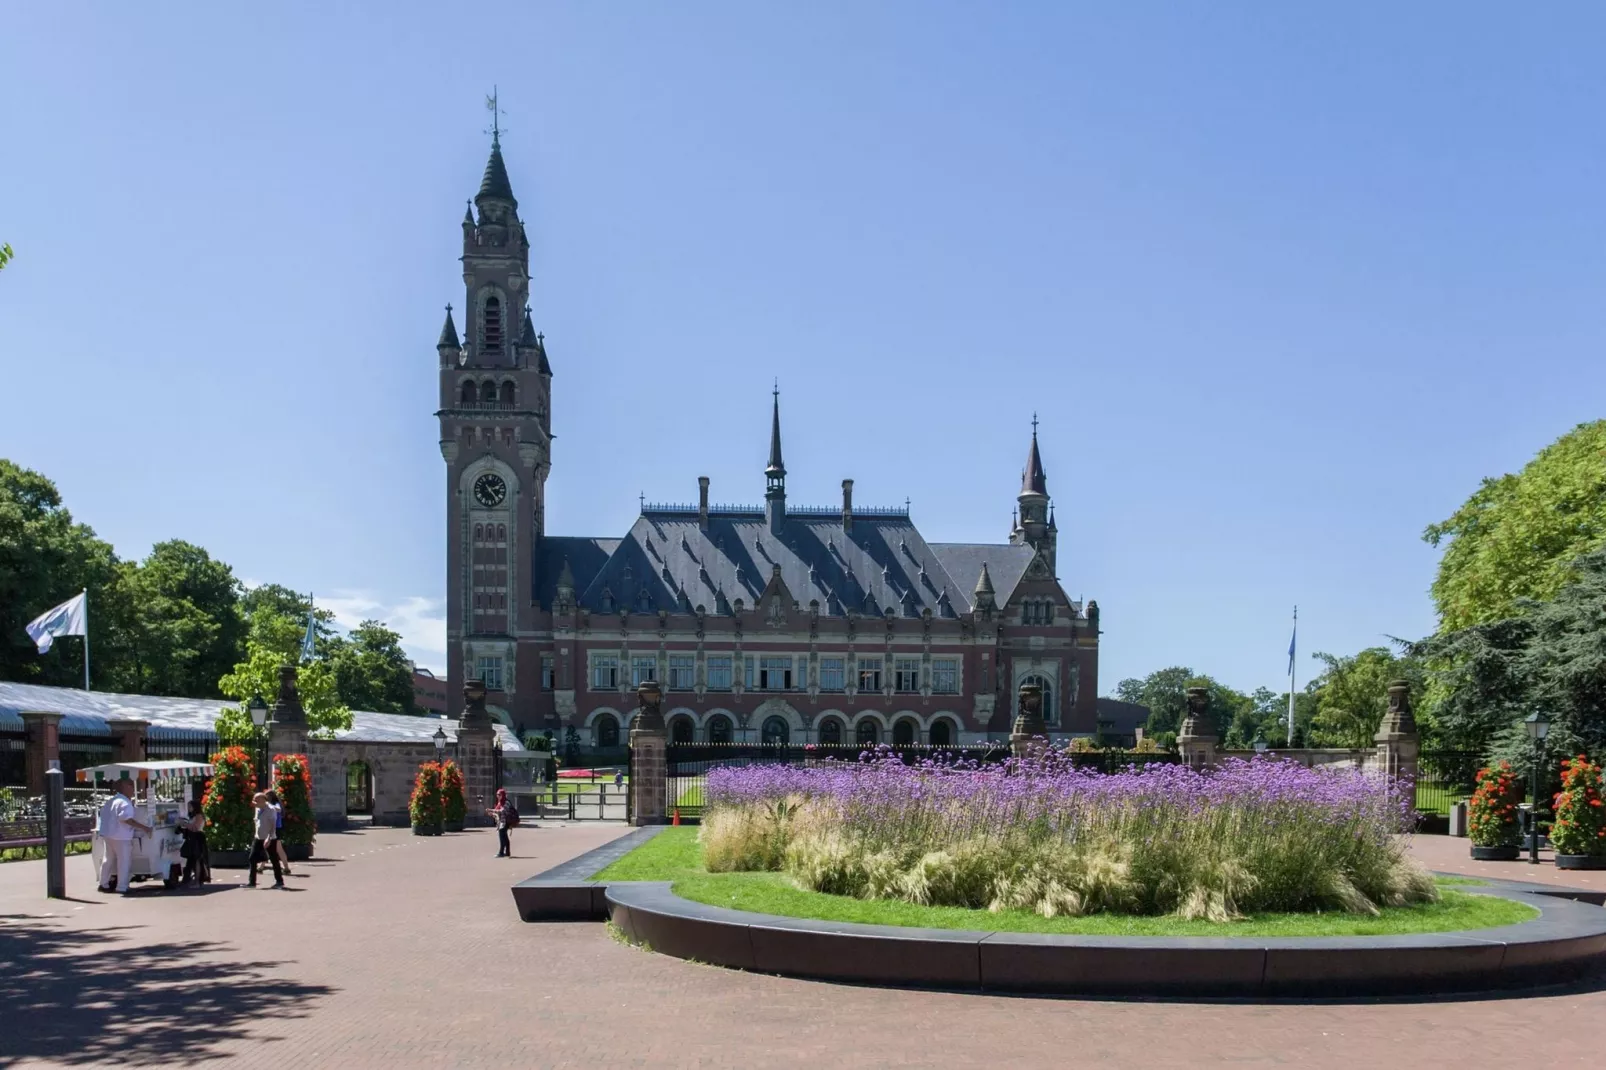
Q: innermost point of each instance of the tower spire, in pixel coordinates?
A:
(1033, 481)
(775, 471)
(495, 187)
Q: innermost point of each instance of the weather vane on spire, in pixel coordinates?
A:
(496, 115)
(1034, 423)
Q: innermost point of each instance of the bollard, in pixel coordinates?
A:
(55, 833)
(1458, 819)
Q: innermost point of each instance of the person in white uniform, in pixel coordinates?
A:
(117, 827)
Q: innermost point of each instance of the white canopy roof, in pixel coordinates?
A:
(137, 771)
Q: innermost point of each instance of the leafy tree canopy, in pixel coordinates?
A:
(1165, 693)
(181, 623)
(5, 255)
(1514, 538)
(1352, 694)
(372, 672)
(275, 640)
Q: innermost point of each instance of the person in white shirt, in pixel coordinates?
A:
(117, 827)
(264, 848)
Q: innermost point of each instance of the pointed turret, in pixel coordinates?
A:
(449, 344)
(1033, 481)
(1035, 526)
(984, 597)
(775, 472)
(534, 343)
(495, 187)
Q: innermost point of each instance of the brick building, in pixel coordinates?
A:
(770, 621)
(429, 691)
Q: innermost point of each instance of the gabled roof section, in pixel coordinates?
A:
(667, 560)
(1005, 562)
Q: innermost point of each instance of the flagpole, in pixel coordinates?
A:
(1291, 643)
(86, 638)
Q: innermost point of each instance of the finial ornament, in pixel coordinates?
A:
(1034, 423)
(496, 116)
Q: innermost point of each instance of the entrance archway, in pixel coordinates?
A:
(607, 730)
(776, 732)
(682, 729)
(719, 729)
(359, 788)
(904, 732)
(831, 731)
(869, 733)
(941, 733)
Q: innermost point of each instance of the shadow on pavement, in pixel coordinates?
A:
(83, 998)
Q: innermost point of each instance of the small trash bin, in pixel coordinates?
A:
(1458, 818)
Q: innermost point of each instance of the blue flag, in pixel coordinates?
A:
(306, 643)
(1291, 640)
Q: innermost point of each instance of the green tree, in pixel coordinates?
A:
(1514, 538)
(1352, 694)
(5, 255)
(275, 640)
(184, 629)
(45, 559)
(371, 670)
(1165, 693)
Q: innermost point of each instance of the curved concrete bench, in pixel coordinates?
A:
(1568, 939)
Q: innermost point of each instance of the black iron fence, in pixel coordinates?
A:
(1444, 777)
(182, 744)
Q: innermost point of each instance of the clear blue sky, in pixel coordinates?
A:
(1284, 283)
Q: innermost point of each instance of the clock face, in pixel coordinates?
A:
(489, 490)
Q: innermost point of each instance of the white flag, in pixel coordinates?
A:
(69, 618)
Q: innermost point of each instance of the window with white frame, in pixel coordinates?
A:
(869, 674)
(719, 674)
(749, 670)
(831, 677)
(682, 672)
(775, 672)
(548, 675)
(945, 676)
(1037, 611)
(491, 673)
(906, 674)
(642, 670)
(604, 672)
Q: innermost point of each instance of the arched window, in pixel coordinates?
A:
(479, 532)
(831, 731)
(869, 733)
(1049, 715)
(941, 735)
(508, 392)
(491, 333)
(903, 732)
(501, 533)
(488, 394)
(607, 730)
(776, 732)
(682, 729)
(468, 393)
(719, 729)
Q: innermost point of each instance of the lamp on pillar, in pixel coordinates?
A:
(440, 743)
(1537, 725)
(259, 719)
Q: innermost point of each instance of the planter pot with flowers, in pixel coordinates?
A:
(1492, 818)
(426, 807)
(1579, 831)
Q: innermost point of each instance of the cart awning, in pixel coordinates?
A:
(143, 771)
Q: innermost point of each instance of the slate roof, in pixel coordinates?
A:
(585, 556)
(495, 185)
(88, 711)
(1033, 480)
(667, 562)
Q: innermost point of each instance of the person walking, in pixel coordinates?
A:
(278, 831)
(506, 817)
(197, 860)
(264, 847)
(117, 827)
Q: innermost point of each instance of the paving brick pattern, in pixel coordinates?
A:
(397, 951)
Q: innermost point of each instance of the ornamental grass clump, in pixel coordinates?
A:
(1492, 817)
(1580, 825)
(1040, 834)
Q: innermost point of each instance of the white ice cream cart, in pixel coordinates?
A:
(161, 798)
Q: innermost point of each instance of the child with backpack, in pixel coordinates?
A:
(507, 817)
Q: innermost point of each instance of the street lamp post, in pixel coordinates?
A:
(1537, 727)
(259, 719)
(440, 743)
(1260, 743)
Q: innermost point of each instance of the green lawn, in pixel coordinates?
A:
(675, 855)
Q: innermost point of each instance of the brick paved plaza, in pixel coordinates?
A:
(394, 951)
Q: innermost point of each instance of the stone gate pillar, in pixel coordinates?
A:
(1029, 730)
(476, 754)
(287, 721)
(43, 746)
(1196, 742)
(130, 737)
(1398, 744)
(649, 753)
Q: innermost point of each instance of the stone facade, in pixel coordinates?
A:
(764, 621)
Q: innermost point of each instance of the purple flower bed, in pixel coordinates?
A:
(1041, 834)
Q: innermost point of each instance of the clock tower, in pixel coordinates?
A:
(496, 440)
